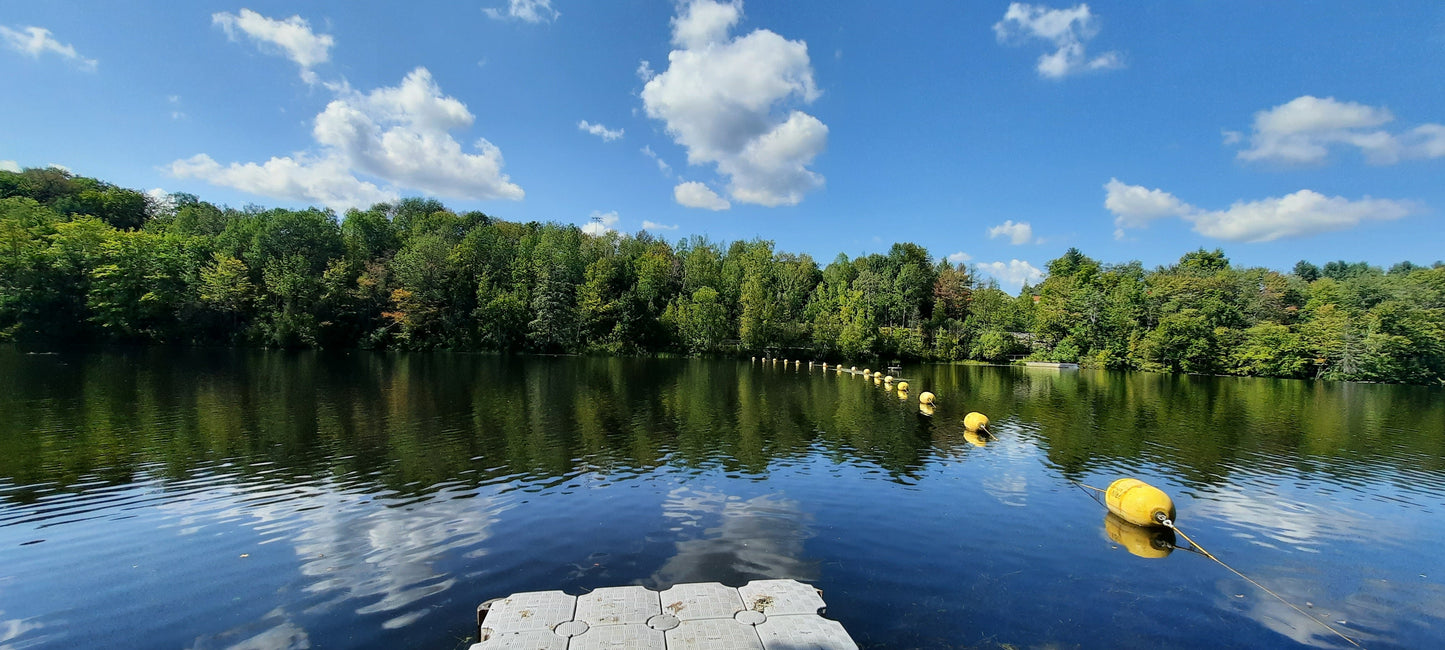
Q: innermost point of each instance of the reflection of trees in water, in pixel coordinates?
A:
(732, 540)
(411, 422)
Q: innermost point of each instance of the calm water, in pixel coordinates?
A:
(209, 499)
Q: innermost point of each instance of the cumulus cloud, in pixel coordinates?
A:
(693, 194)
(1302, 213)
(1304, 130)
(652, 225)
(527, 11)
(1067, 29)
(299, 178)
(727, 101)
(292, 37)
(1135, 206)
(607, 135)
(645, 71)
(9, 166)
(959, 257)
(601, 223)
(34, 41)
(1018, 233)
(1013, 273)
(1305, 212)
(400, 135)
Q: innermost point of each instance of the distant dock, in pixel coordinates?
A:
(761, 615)
(1050, 364)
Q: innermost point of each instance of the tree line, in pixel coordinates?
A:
(84, 261)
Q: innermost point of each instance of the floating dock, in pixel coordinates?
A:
(761, 615)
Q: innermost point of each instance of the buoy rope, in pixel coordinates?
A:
(1170, 525)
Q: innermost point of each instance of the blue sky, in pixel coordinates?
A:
(999, 133)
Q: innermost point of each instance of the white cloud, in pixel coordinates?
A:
(725, 99)
(601, 223)
(529, 11)
(60, 167)
(662, 165)
(34, 41)
(693, 194)
(1066, 29)
(1135, 206)
(325, 181)
(959, 257)
(293, 36)
(1013, 273)
(1303, 131)
(1018, 233)
(9, 166)
(607, 135)
(1302, 213)
(650, 225)
(645, 71)
(398, 134)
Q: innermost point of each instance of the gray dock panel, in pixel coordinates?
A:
(761, 615)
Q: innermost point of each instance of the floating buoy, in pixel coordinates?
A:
(888, 378)
(1138, 502)
(1149, 542)
(975, 438)
(926, 409)
(975, 422)
(902, 386)
(853, 369)
(825, 365)
(925, 397)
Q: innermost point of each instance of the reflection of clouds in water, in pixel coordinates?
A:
(13, 628)
(356, 547)
(1010, 488)
(276, 630)
(761, 537)
(1263, 517)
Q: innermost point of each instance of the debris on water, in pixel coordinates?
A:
(762, 603)
(245, 555)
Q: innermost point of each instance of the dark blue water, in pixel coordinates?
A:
(216, 499)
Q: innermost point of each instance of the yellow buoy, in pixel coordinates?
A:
(902, 386)
(1151, 542)
(1138, 502)
(975, 422)
(975, 438)
(888, 378)
(853, 369)
(925, 397)
(926, 409)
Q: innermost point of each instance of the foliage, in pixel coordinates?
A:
(84, 261)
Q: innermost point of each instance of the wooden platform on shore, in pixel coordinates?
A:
(761, 615)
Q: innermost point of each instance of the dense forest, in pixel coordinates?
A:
(84, 261)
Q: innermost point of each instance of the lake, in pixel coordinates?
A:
(173, 498)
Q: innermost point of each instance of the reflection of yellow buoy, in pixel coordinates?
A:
(975, 422)
(1138, 502)
(877, 381)
(1150, 542)
(926, 409)
(902, 395)
(902, 386)
(925, 397)
(975, 438)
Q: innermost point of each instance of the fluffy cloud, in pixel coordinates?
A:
(725, 100)
(601, 223)
(398, 134)
(607, 135)
(292, 36)
(1066, 29)
(325, 181)
(1302, 213)
(1018, 233)
(35, 41)
(9, 166)
(1013, 273)
(959, 257)
(529, 11)
(1303, 130)
(693, 194)
(651, 225)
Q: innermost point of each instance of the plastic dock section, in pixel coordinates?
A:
(761, 615)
